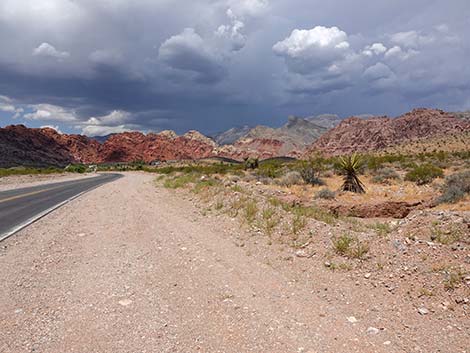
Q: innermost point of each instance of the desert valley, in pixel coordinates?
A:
(381, 266)
(234, 176)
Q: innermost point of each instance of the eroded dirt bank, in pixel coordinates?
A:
(131, 267)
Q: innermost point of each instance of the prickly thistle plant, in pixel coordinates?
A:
(350, 166)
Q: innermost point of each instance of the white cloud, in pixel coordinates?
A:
(47, 50)
(114, 122)
(7, 105)
(232, 34)
(94, 130)
(53, 127)
(374, 49)
(313, 41)
(308, 51)
(116, 117)
(49, 112)
(397, 52)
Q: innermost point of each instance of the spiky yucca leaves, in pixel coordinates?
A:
(350, 167)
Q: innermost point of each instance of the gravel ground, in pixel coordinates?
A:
(130, 267)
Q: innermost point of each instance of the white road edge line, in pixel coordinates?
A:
(43, 214)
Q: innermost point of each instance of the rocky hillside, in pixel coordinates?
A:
(303, 130)
(20, 145)
(289, 140)
(299, 137)
(362, 135)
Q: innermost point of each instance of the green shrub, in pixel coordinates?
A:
(325, 194)
(76, 168)
(456, 187)
(424, 174)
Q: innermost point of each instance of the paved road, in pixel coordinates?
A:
(18, 207)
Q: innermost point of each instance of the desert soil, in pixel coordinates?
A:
(130, 267)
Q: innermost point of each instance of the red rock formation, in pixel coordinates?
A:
(20, 145)
(362, 135)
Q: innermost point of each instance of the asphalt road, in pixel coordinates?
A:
(19, 207)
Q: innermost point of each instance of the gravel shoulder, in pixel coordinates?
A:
(132, 267)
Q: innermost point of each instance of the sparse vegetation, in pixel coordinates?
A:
(26, 171)
(298, 223)
(424, 174)
(381, 229)
(385, 176)
(454, 278)
(456, 187)
(289, 179)
(309, 172)
(348, 246)
(445, 236)
(325, 194)
(250, 211)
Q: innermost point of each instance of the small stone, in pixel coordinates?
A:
(81, 235)
(125, 302)
(367, 275)
(387, 343)
(372, 330)
(301, 253)
(423, 311)
(327, 264)
(351, 319)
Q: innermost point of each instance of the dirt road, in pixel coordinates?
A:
(131, 268)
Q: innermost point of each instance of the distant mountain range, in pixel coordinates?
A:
(299, 137)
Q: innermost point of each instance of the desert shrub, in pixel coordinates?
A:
(76, 168)
(310, 173)
(384, 175)
(424, 174)
(348, 246)
(289, 179)
(270, 169)
(250, 211)
(325, 194)
(381, 229)
(456, 187)
(298, 223)
(251, 163)
(342, 244)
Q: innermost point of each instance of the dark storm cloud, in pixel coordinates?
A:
(100, 66)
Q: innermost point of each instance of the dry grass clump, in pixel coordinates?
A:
(351, 247)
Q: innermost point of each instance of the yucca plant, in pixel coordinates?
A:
(350, 166)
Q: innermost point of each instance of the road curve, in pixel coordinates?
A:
(21, 207)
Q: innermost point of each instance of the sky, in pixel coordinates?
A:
(103, 66)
